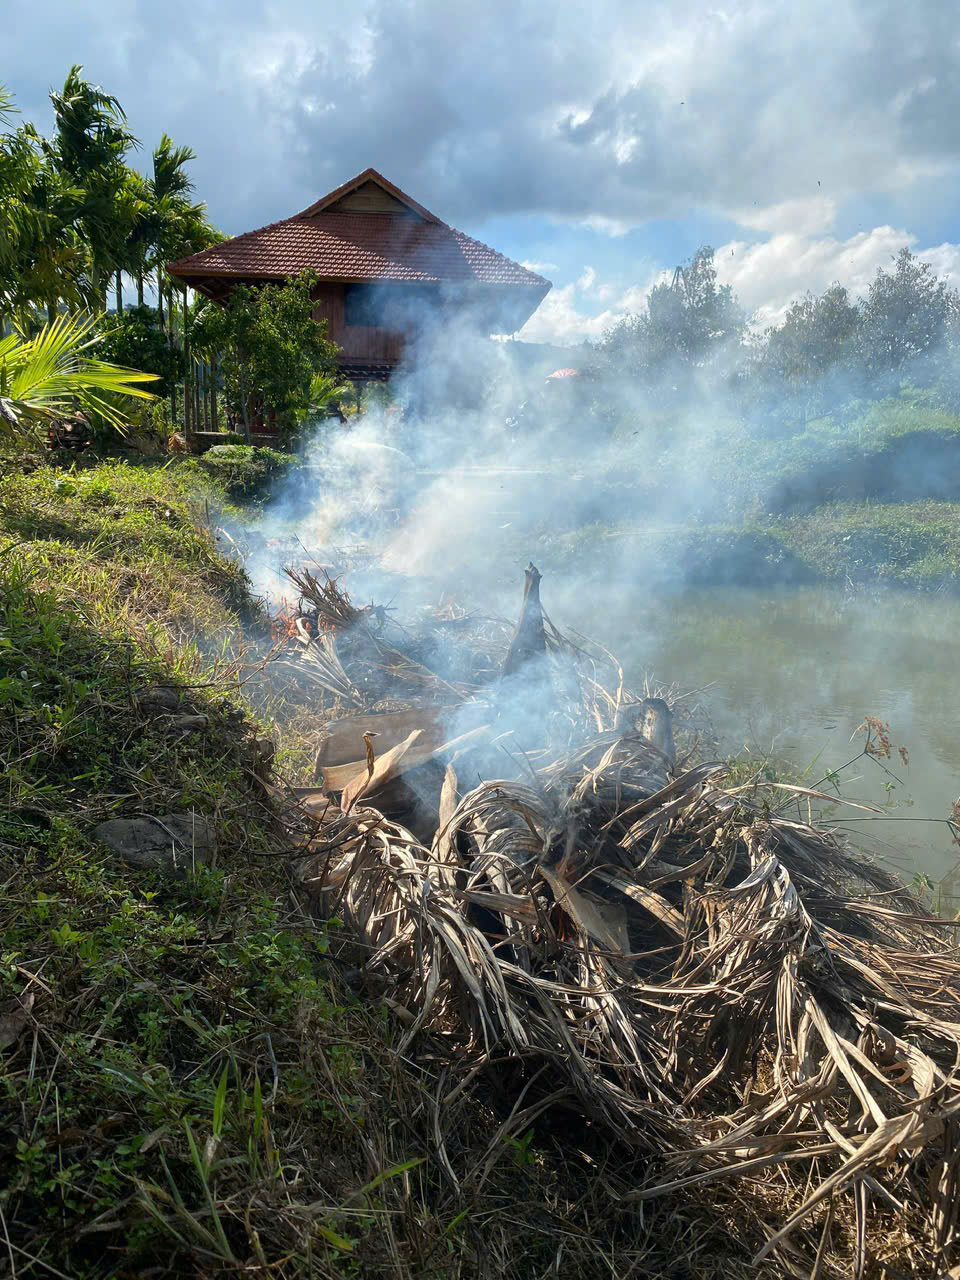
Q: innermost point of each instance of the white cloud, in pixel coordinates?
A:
(569, 315)
(767, 277)
(804, 217)
(649, 110)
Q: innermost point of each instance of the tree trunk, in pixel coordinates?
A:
(173, 381)
(139, 288)
(119, 293)
(160, 299)
(246, 417)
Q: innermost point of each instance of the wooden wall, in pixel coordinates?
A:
(371, 198)
(359, 342)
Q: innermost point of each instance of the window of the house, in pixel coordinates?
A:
(360, 305)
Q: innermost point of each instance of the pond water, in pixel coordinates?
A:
(793, 673)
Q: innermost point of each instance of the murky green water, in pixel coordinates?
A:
(793, 674)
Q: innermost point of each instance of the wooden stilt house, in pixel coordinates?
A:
(385, 264)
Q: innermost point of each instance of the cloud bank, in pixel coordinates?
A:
(778, 119)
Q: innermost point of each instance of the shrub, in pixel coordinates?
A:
(137, 340)
(245, 472)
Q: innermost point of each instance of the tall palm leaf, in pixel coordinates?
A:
(89, 145)
(53, 373)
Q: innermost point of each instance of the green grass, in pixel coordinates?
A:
(188, 1054)
(902, 448)
(914, 545)
(244, 472)
(166, 1015)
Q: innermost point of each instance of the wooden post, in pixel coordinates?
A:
(213, 391)
(187, 424)
(173, 383)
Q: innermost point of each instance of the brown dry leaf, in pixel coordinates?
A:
(15, 1021)
(371, 758)
(590, 916)
(382, 771)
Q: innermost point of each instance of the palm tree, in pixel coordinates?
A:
(41, 259)
(90, 142)
(177, 225)
(324, 397)
(51, 374)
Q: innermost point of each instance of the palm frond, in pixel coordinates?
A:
(53, 373)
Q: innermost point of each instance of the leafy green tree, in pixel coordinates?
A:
(693, 317)
(172, 224)
(270, 349)
(816, 334)
(89, 147)
(686, 323)
(41, 258)
(136, 339)
(907, 314)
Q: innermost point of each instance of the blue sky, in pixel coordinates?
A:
(605, 143)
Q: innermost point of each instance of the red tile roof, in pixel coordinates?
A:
(358, 247)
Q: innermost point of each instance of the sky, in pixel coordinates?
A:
(600, 144)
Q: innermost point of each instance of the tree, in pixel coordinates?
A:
(694, 317)
(816, 334)
(137, 340)
(905, 315)
(270, 349)
(55, 372)
(171, 225)
(686, 323)
(41, 259)
(89, 146)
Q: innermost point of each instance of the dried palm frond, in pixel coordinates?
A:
(732, 993)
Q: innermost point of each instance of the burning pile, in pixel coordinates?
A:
(715, 986)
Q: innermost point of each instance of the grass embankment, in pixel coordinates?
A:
(870, 496)
(188, 1088)
(907, 544)
(913, 545)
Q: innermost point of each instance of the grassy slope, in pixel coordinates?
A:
(193, 1090)
(906, 544)
(872, 496)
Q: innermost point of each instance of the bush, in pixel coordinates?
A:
(271, 350)
(245, 472)
(137, 340)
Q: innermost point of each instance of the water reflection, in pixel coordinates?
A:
(793, 674)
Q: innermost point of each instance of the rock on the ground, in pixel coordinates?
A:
(188, 724)
(172, 843)
(158, 699)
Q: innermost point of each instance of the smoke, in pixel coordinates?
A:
(475, 464)
(648, 503)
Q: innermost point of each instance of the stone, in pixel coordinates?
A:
(171, 844)
(158, 699)
(185, 724)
